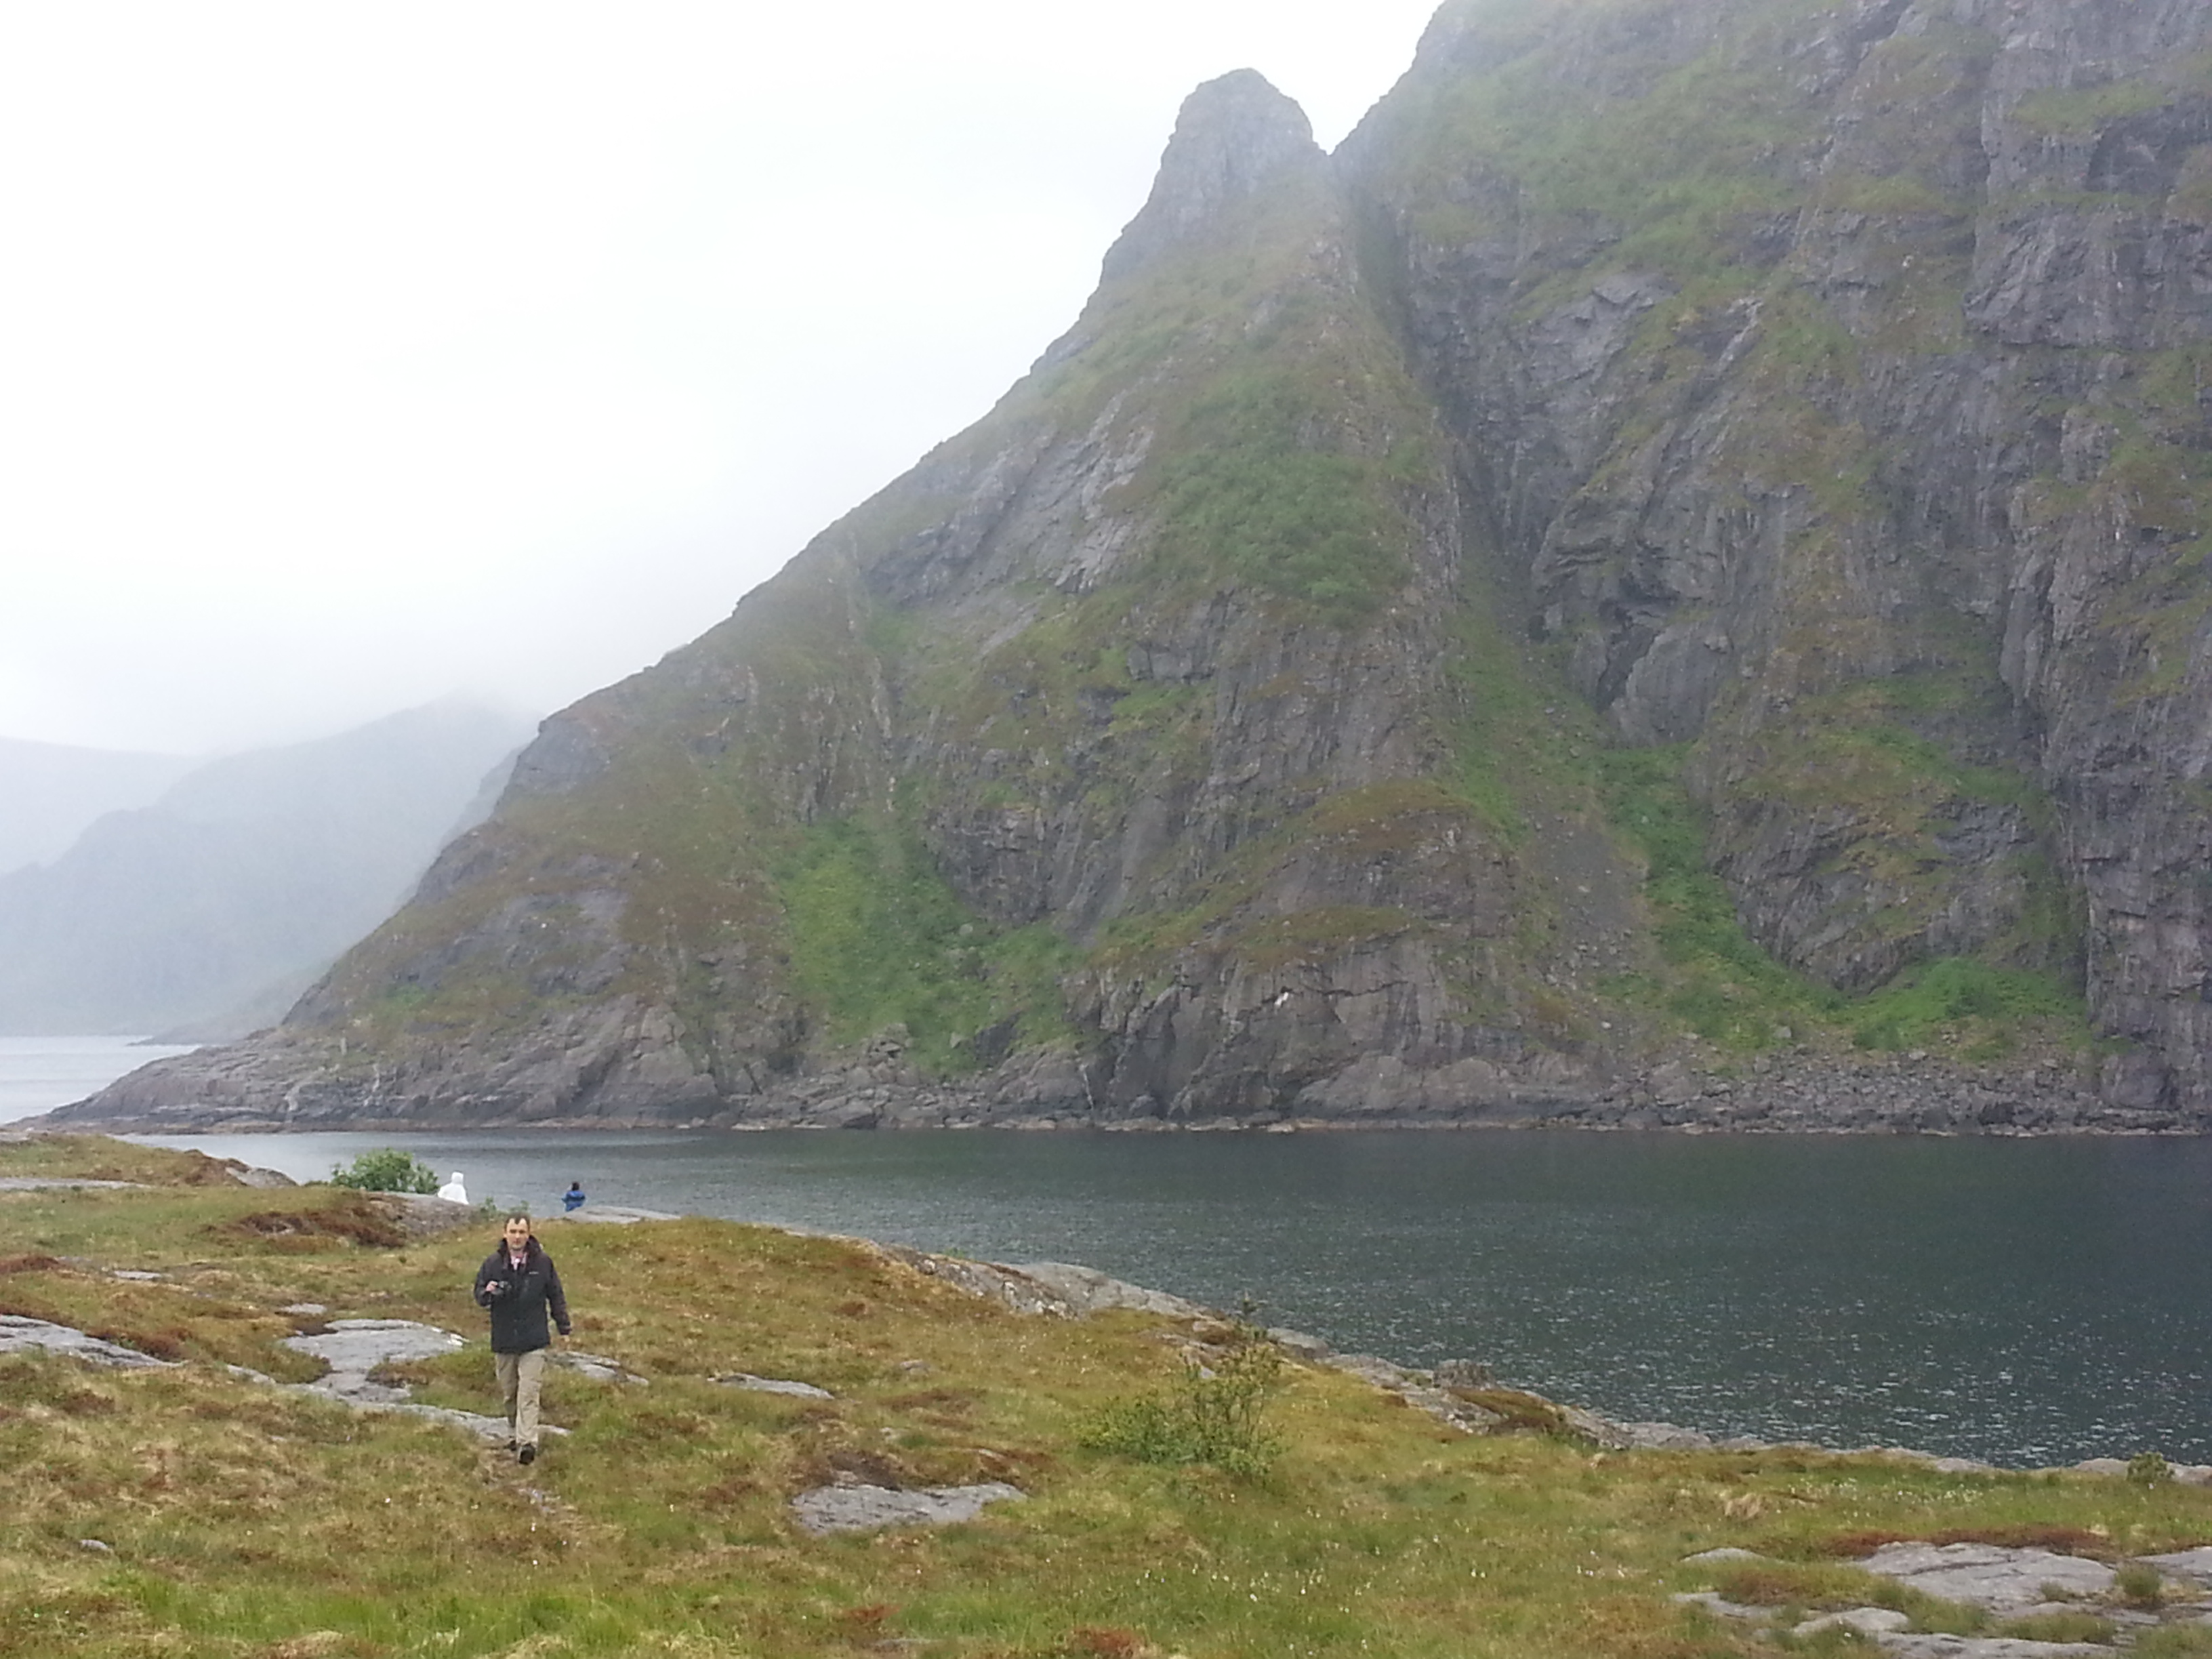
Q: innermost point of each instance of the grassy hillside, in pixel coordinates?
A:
(192, 1511)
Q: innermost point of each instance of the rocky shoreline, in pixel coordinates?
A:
(1907, 1093)
(1795, 1091)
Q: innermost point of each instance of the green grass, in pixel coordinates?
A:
(1934, 1001)
(1719, 983)
(1680, 159)
(1249, 492)
(878, 937)
(2081, 111)
(1510, 755)
(245, 1522)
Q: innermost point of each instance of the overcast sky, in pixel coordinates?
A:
(352, 356)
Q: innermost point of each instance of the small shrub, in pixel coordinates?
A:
(387, 1169)
(2138, 1585)
(2150, 1469)
(1208, 1417)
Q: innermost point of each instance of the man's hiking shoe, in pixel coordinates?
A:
(510, 1445)
(528, 1454)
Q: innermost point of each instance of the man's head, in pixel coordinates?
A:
(517, 1234)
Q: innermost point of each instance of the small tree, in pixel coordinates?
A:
(387, 1169)
(1212, 1415)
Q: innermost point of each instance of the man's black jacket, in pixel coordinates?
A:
(520, 1303)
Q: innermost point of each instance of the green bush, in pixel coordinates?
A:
(1212, 1416)
(387, 1169)
(2150, 1469)
(2138, 1584)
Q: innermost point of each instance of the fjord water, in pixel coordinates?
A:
(40, 1073)
(2027, 1301)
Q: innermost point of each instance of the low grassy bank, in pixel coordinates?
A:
(193, 1511)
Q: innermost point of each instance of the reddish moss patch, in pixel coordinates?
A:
(1758, 1585)
(348, 1216)
(166, 1344)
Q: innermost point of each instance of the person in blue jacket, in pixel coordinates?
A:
(520, 1285)
(574, 1198)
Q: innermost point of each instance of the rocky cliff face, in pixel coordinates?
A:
(1676, 553)
(1883, 493)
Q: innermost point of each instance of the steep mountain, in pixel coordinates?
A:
(1663, 582)
(243, 881)
(50, 793)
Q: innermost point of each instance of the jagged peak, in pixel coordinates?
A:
(1232, 135)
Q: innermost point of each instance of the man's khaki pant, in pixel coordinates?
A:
(519, 1377)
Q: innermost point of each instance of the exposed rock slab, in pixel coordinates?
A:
(2194, 1566)
(598, 1367)
(1719, 1605)
(753, 1385)
(352, 1348)
(615, 1215)
(1867, 1621)
(1921, 1645)
(1009, 1286)
(1087, 1290)
(827, 1509)
(2004, 1580)
(18, 1334)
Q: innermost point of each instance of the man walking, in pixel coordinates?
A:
(519, 1284)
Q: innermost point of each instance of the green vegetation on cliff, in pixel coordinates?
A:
(198, 1512)
(879, 940)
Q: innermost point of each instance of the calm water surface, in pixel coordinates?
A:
(37, 1073)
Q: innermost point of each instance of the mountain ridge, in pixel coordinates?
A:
(55, 792)
(1665, 566)
(241, 881)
